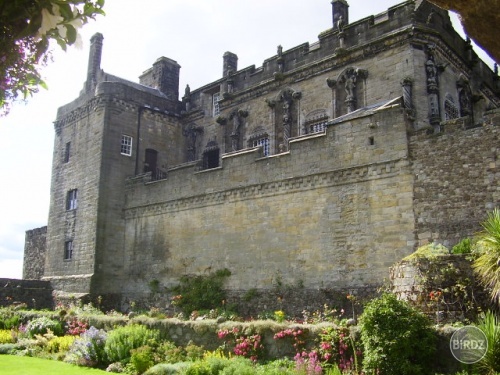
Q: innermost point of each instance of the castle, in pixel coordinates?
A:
(316, 171)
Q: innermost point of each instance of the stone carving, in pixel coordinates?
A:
(431, 69)
(464, 97)
(237, 117)
(187, 98)
(191, 132)
(280, 60)
(349, 78)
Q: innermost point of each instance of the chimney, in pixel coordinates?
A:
(94, 65)
(163, 76)
(340, 14)
(230, 63)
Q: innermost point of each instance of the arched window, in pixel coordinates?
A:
(450, 108)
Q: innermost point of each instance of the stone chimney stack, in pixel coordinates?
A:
(230, 63)
(94, 65)
(164, 76)
(340, 14)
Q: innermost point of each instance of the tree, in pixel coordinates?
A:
(487, 265)
(26, 29)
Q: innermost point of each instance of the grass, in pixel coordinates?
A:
(17, 365)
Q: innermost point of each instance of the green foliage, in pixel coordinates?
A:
(168, 352)
(121, 341)
(41, 325)
(430, 251)
(60, 344)
(6, 336)
(463, 247)
(142, 358)
(9, 318)
(167, 368)
(397, 339)
(487, 265)
(490, 363)
(88, 349)
(7, 348)
(26, 27)
(196, 293)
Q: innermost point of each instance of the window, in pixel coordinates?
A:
(68, 250)
(126, 148)
(215, 103)
(211, 159)
(264, 142)
(71, 200)
(67, 152)
(450, 108)
(317, 127)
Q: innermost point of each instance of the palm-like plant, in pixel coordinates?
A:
(490, 363)
(487, 265)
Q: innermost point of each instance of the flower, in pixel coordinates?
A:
(49, 20)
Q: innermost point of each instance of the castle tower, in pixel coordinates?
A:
(94, 61)
(340, 13)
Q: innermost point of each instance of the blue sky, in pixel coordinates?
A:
(195, 33)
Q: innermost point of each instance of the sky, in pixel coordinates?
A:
(195, 33)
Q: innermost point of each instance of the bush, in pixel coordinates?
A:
(88, 350)
(41, 325)
(7, 348)
(60, 344)
(490, 363)
(463, 247)
(121, 341)
(168, 352)
(196, 293)
(397, 339)
(6, 336)
(9, 319)
(142, 358)
(168, 368)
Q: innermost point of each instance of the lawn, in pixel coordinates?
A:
(17, 365)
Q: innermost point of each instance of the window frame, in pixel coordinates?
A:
(451, 110)
(72, 200)
(261, 141)
(67, 152)
(216, 97)
(68, 250)
(126, 145)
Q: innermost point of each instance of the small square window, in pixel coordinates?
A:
(126, 146)
(371, 141)
(71, 200)
(67, 152)
(68, 250)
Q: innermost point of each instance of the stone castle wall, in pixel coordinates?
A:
(35, 246)
(36, 294)
(457, 179)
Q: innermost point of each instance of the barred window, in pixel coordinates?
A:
(215, 103)
(264, 142)
(126, 146)
(450, 108)
(71, 200)
(318, 127)
(68, 250)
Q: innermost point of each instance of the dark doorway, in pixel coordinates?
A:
(150, 163)
(211, 159)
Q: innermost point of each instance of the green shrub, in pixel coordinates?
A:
(122, 340)
(168, 352)
(490, 363)
(463, 247)
(60, 344)
(7, 348)
(142, 358)
(238, 366)
(6, 336)
(168, 368)
(88, 349)
(195, 293)
(198, 368)
(41, 325)
(9, 319)
(397, 339)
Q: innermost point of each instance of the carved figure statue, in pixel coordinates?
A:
(350, 85)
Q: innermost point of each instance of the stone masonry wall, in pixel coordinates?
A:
(34, 253)
(36, 294)
(457, 179)
(329, 228)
